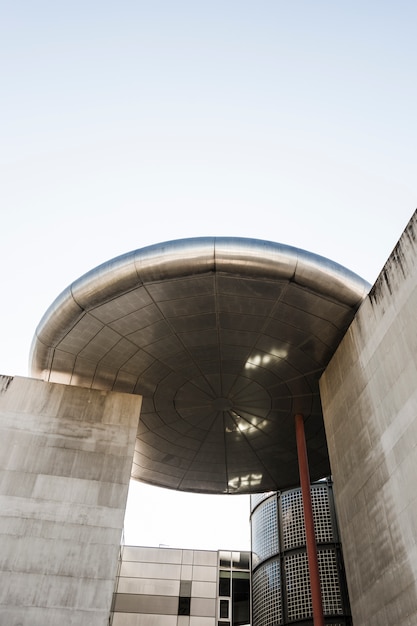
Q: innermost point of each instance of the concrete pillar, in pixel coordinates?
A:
(369, 398)
(65, 464)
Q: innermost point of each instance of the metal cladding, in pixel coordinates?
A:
(226, 340)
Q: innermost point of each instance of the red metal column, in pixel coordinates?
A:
(313, 564)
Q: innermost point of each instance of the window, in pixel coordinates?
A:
(225, 558)
(224, 608)
(184, 606)
(240, 598)
(224, 583)
(240, 560)
(184, 601)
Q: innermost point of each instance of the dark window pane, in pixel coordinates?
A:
(240, 598)
(184, 606)
(224, 583)
(224, 608)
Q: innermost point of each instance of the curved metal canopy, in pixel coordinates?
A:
(226, 340)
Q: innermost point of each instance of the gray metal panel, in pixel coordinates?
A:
(204, 607)
(205, 557)
(122, 306)
(132, 619)
(149, 587)
(165, 571)
(135, 603)
(204, 573)
(225, 338)
(147, 554)
(204, 589)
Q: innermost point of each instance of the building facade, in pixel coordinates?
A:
(173, 587)
(230, 343)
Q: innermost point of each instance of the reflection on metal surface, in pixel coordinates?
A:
(263, 360)
(226, 340)
(249, 482)
(246, 426)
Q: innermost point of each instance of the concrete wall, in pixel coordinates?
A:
(65, 463)
(149, 587)
(369, 397)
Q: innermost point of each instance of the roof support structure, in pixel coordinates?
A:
(313, 564)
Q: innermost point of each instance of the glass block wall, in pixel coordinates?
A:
(280, 580)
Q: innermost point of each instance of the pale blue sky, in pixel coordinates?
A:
(124, 124)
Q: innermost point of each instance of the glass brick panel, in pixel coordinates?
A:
(298, 587)
(293, 517)
(264, 531)
(330, 584)
(293, 531)
(256, 498)
(322, 516)
(266, 595)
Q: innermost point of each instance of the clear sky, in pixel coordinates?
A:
(125, 124)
